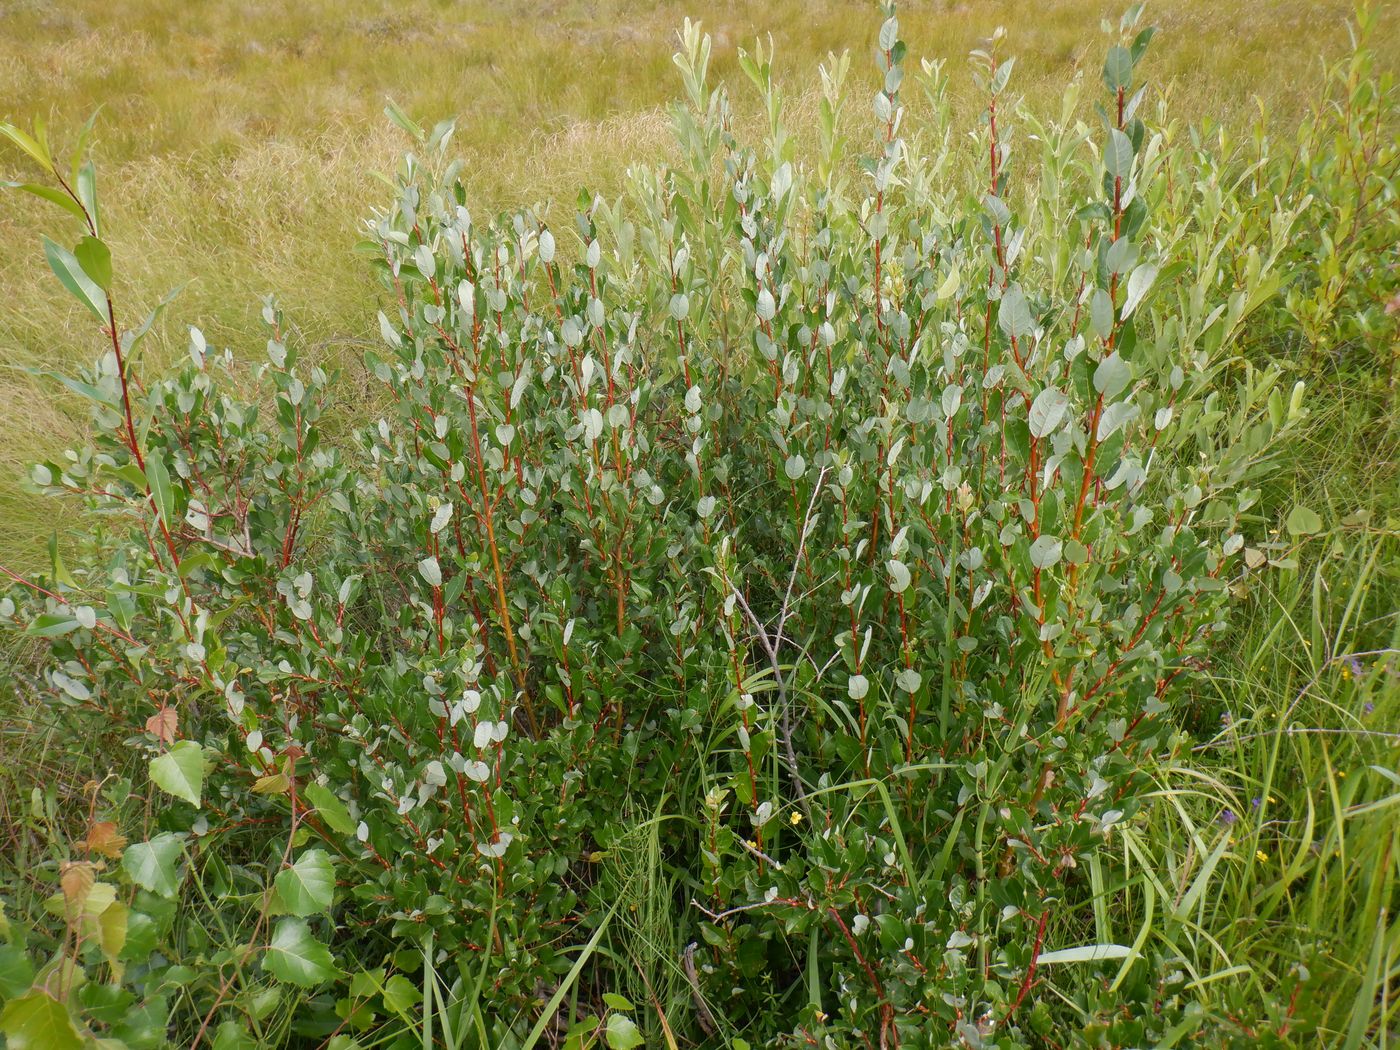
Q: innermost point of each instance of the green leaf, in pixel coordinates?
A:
(104, 1003)
(401, 995)
(78, 387)
(329, 808)
(110, 926)
(1118, 69)
(949, 287)
(52, 625)
(1120, 256)
(231, 1036)
(1048, 411)
(16, 971)
(1085, 953)
(38, 1021)
(622, 1033)
(1014, 315)
(96, 260)
(87, 193)
(1101, 313)
(1139, 282)
(296, 957)
(899, 575)
(1141, 41)
(1303, 521)
(84, 133)
(141, 936)
(1112, 376)
(431, 571)
(618, 1002)
(402, 119)
(1116, 416)
(146, 1026)
(889, 34)
(151, 865)
(158, 480)
(1003, 75)
(1118, 155)
(1045, 551)
(60, 570)
(27, 143)
(364, 983)
(308, 886)
(180, 771)
(48, 193)
(71, 275)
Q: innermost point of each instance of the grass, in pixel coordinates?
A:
(1272, 845)
(236, 144)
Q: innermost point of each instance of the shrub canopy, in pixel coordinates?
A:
(821, 540)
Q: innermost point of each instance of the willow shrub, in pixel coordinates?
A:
(854, 523)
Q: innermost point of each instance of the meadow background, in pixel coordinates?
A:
(236, 149)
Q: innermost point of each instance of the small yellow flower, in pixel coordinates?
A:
(1341, 774)
(752, 843)
(795, 819)
(1261, 856)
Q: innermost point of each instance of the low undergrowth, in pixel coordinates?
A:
(784, 607)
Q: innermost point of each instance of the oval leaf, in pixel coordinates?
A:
(1048, 411)
(1303, 521)
(180, 771)
(151, 865)
(296, 957)
(308, 886)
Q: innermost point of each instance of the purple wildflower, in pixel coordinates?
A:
(1227, 817)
